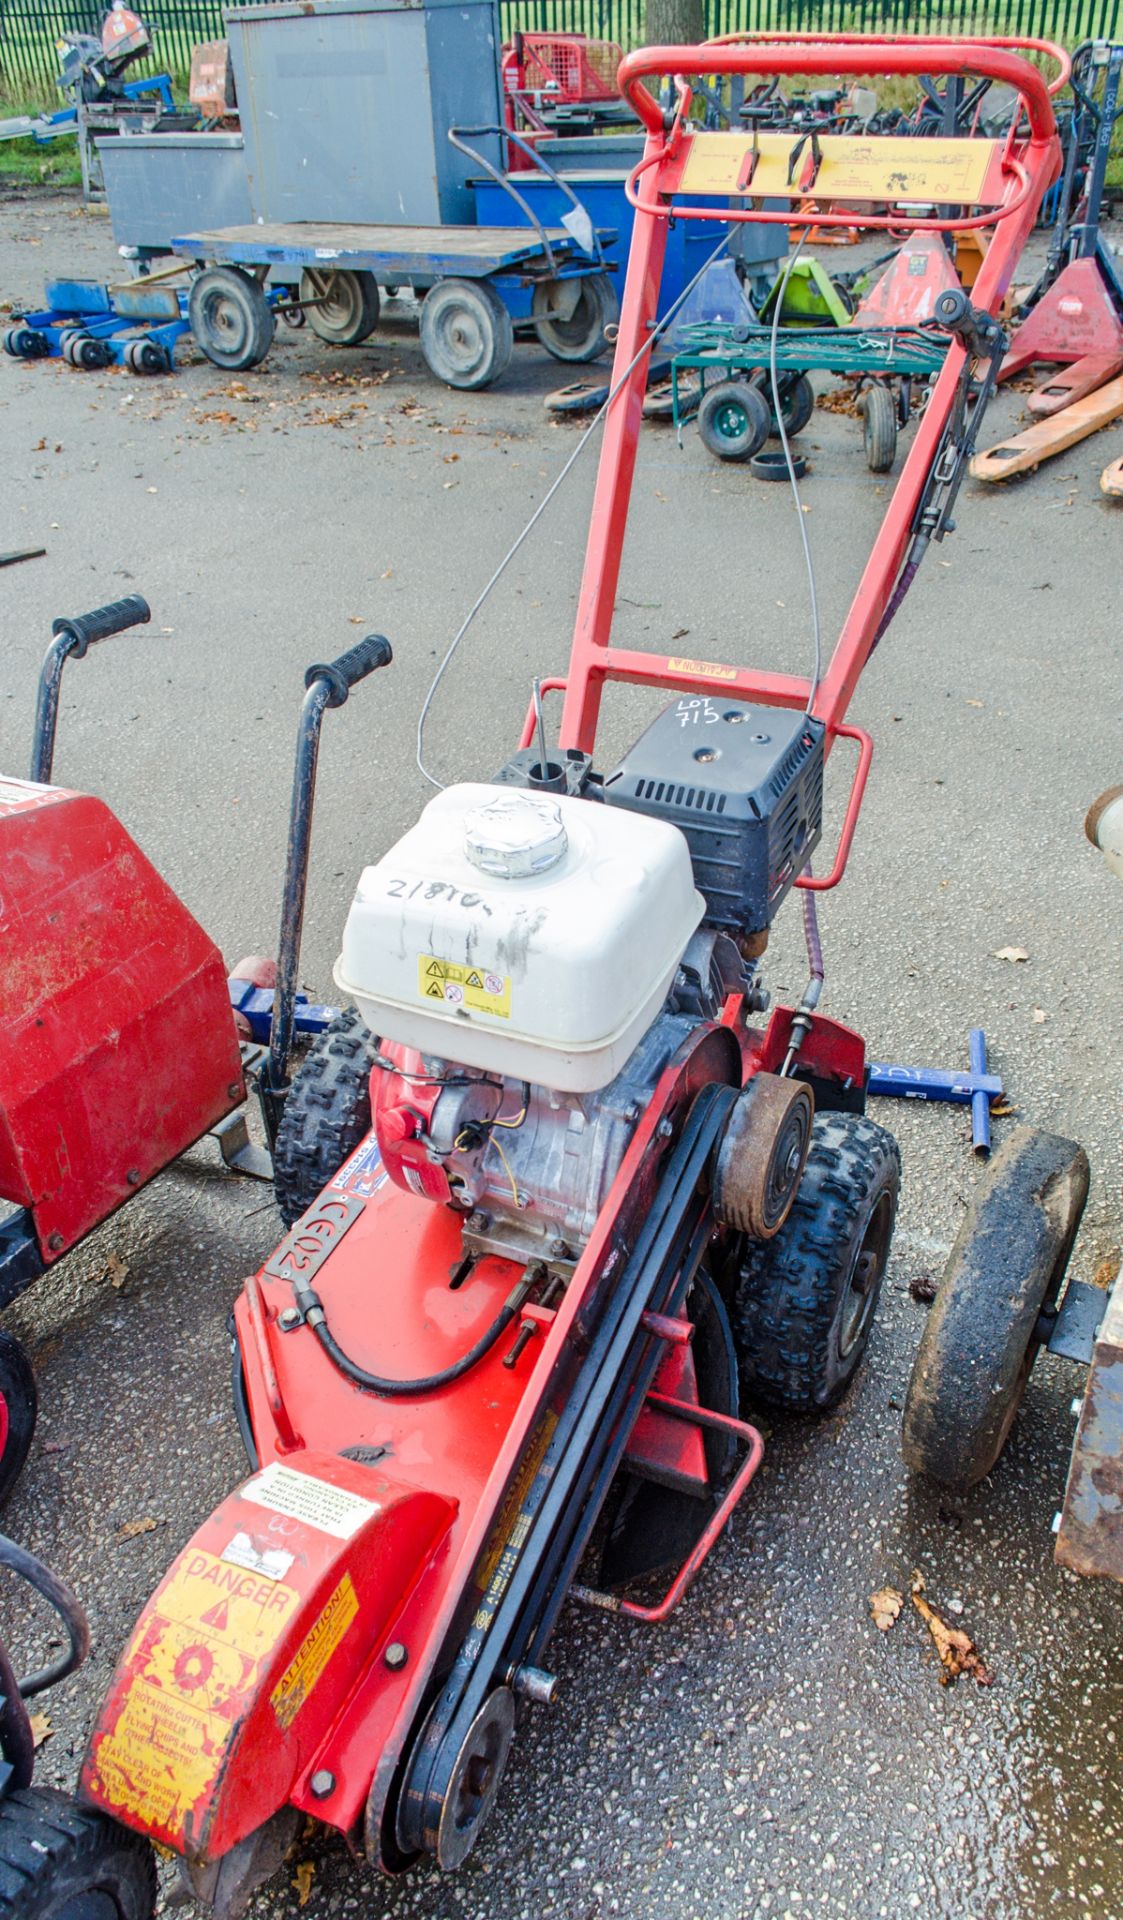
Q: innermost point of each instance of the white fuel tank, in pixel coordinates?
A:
(527, 935)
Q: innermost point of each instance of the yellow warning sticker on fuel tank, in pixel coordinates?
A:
(464, 989)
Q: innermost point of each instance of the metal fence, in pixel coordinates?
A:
(30, 28)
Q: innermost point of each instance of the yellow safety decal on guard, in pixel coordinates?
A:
(189, 1673)
(297, 1682)
(704, 669)
(471, 988)
(850, 168)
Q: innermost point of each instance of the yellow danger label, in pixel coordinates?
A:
(188, 1676)
(297, 1682)
(850, 168)
(705, 669)
(473, 988)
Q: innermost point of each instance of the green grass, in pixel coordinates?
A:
(53, 165)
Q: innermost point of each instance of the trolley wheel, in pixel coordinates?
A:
(797, 399)
(91, 354)
(70, 341)
(761, 1156)
(148, 356)
(347, 304)
(805, 1300)
(466, 333)
(581, 335)
(230, 318)
(26, 343)
(734, 420)
(326, 1114)
(986, 1326)
(19, 1404)
(879, 429)
(771, 464)
(60, 1861)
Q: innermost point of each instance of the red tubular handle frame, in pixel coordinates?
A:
(853, 808)
(871, 53)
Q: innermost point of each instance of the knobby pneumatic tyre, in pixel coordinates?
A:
(984, 1329)
(805, 1301)
(60, 1861)
(327, 1113)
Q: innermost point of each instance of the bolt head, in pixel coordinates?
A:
(133, 1176)
(288, 1319)
(233, 1090)
(54, 1241)
(322, 1783)
(396, 1656)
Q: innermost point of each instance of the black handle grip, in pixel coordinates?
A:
(85, 628)
(351, 667)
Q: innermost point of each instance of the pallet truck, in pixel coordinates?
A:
(559, 1194)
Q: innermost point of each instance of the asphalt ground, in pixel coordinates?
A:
(768, 1752)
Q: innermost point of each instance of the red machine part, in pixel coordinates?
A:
(567, 66)
(117, 1049)
(1075, 324)
(905, 294)
(401, 1107)
(283, 1599)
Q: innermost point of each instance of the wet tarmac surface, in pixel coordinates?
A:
(767, 1752)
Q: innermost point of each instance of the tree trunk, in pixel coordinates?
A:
(673, 23)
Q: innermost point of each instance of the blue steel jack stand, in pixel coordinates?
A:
(976, 1088)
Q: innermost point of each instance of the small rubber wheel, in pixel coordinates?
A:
(805, 1301)
(91, 354)
(659, 400)
(230, 318)
(26, 343)
(466, 333)
(62, 1861)
(326, 1114)
(761, 1155)
(733, 419)
(582, 335)
(985, 1327)
(879, 428)
(19, 1405)
(773, 466)
(346, 304)
(149, 357)
(797, 401)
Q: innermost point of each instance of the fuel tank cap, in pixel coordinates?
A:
(515, 836)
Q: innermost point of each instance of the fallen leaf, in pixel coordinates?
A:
(1039, 1016)
(680, 633)
(41, 1728)
(132, 1527)
(1105, 1273)
(974, 703)
(39, 447)
(923, 1289)
(116, 1271)
(302, 1881)
(1010, 953)
(958, 1652)
(885, 1605)
(388, 575)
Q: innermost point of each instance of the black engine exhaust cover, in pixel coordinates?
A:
(745, 785)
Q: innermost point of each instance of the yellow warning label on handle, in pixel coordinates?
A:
(463, 989)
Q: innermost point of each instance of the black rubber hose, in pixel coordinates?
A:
(65, 1604)
(311, 1306)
